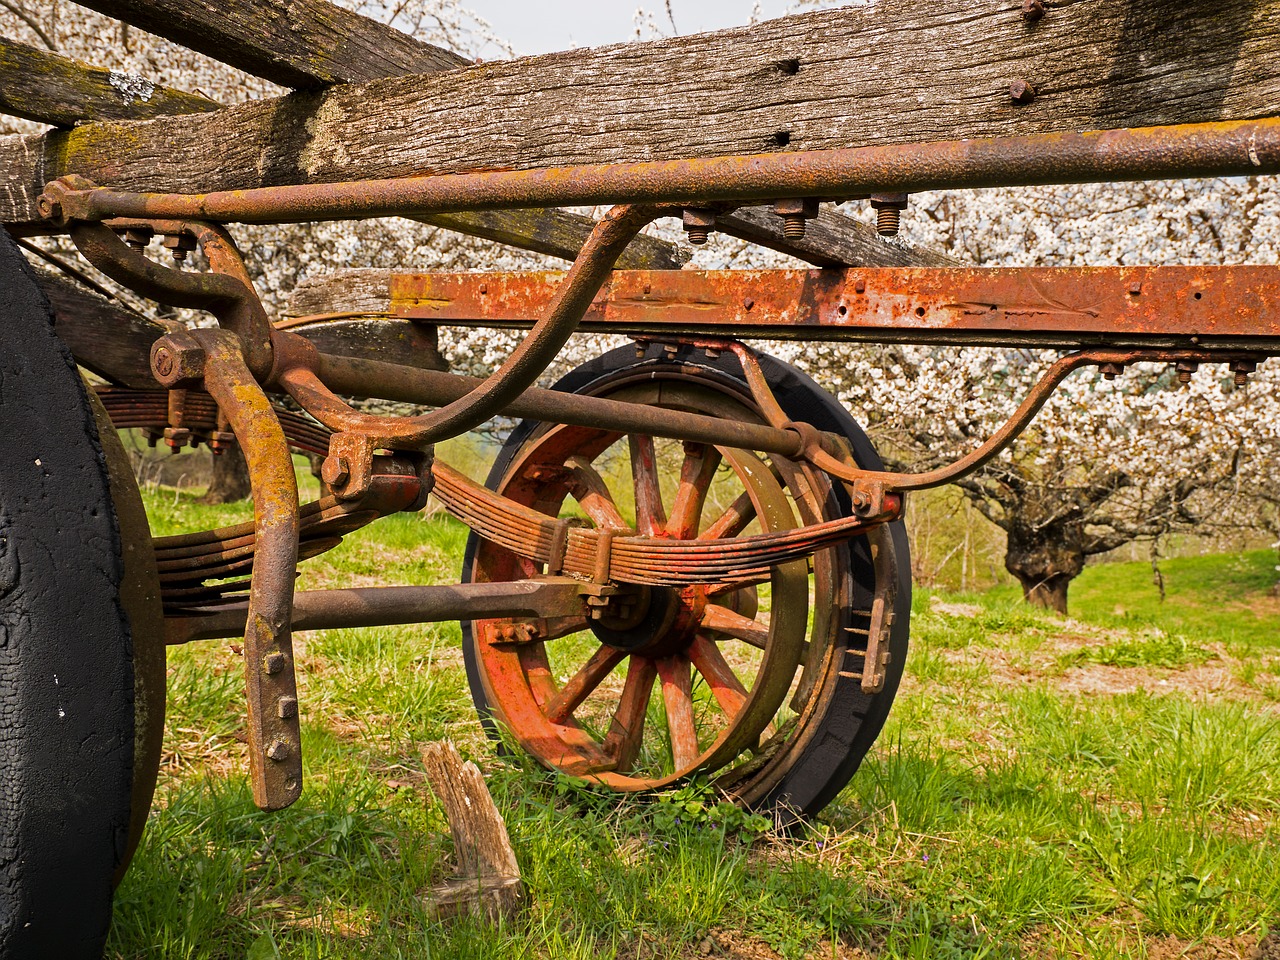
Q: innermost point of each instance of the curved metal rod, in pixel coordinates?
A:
(227, 292)
(608, 239)
(275, 745)
(1009, 431)
(1021, 418)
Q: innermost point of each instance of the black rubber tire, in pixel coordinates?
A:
(839, 737)
(66, 674)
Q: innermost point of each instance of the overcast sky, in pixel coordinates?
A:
(542, 26)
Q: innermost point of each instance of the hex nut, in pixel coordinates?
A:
(278, 751)
(177, 361)
(335, 471)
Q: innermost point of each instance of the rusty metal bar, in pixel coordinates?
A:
(1238, 148)
(1232, 307)
(387, 606)
(275, 744)
(227, 292)
(389, 381)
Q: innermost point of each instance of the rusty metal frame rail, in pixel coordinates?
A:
(1233, 307)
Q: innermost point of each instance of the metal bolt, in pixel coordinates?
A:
(1021, 91)
(484, 288)
(794, 226)
(698, 224)
(1111, 370)
(287, 708)
(179, 244)
(177, 361)
(278, 751)
(49, 207)
(335, 471)
(1032, 10)
(273, 662)
(888, 208)
(1185, 369)
(748, 303)
(859, 286)
(163, 362)
(796, 214)
(1242, 369)
(1135, 289)
(138, 237)
(176, 438)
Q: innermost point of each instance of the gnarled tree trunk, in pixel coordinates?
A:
(1045, 559)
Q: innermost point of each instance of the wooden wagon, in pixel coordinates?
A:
(749, 132)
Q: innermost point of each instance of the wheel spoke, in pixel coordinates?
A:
(718, 619)
(578, 687)
(651, 517)
(724, 683)
(733, 521)
(696, 474)
(627, 730)
(677, 695)
(589, 489)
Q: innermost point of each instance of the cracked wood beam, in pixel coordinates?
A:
(305, 44)
(831, 239)
(802, 82)
(50, 88)
(58, 90)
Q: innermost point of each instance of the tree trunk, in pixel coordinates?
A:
(230, 477)
(1045, 560)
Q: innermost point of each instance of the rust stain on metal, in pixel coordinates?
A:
(1048, 305)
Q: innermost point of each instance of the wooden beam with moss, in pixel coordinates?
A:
(50, 88)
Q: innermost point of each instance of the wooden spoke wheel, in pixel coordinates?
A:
(81, 642)
(748, 683)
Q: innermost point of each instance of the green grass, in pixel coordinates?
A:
(1105, 786)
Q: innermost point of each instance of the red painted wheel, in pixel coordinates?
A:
(732, 681)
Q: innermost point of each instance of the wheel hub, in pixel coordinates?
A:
(654, 621)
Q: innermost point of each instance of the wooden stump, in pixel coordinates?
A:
(487, 883)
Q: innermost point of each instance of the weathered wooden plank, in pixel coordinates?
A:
(105, 338)
(552, 232)
(409, 344)
(50, 88)
(557, 233)
(830, 240)
(835, 78)
(296, 43)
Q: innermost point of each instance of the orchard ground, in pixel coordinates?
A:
(1101, 786)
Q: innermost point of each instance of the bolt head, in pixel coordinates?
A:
(1032, 10)
(278, 751)
(335, 471)
(177, 361)
(1022, 92)
(273, 663)
(287, 708)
